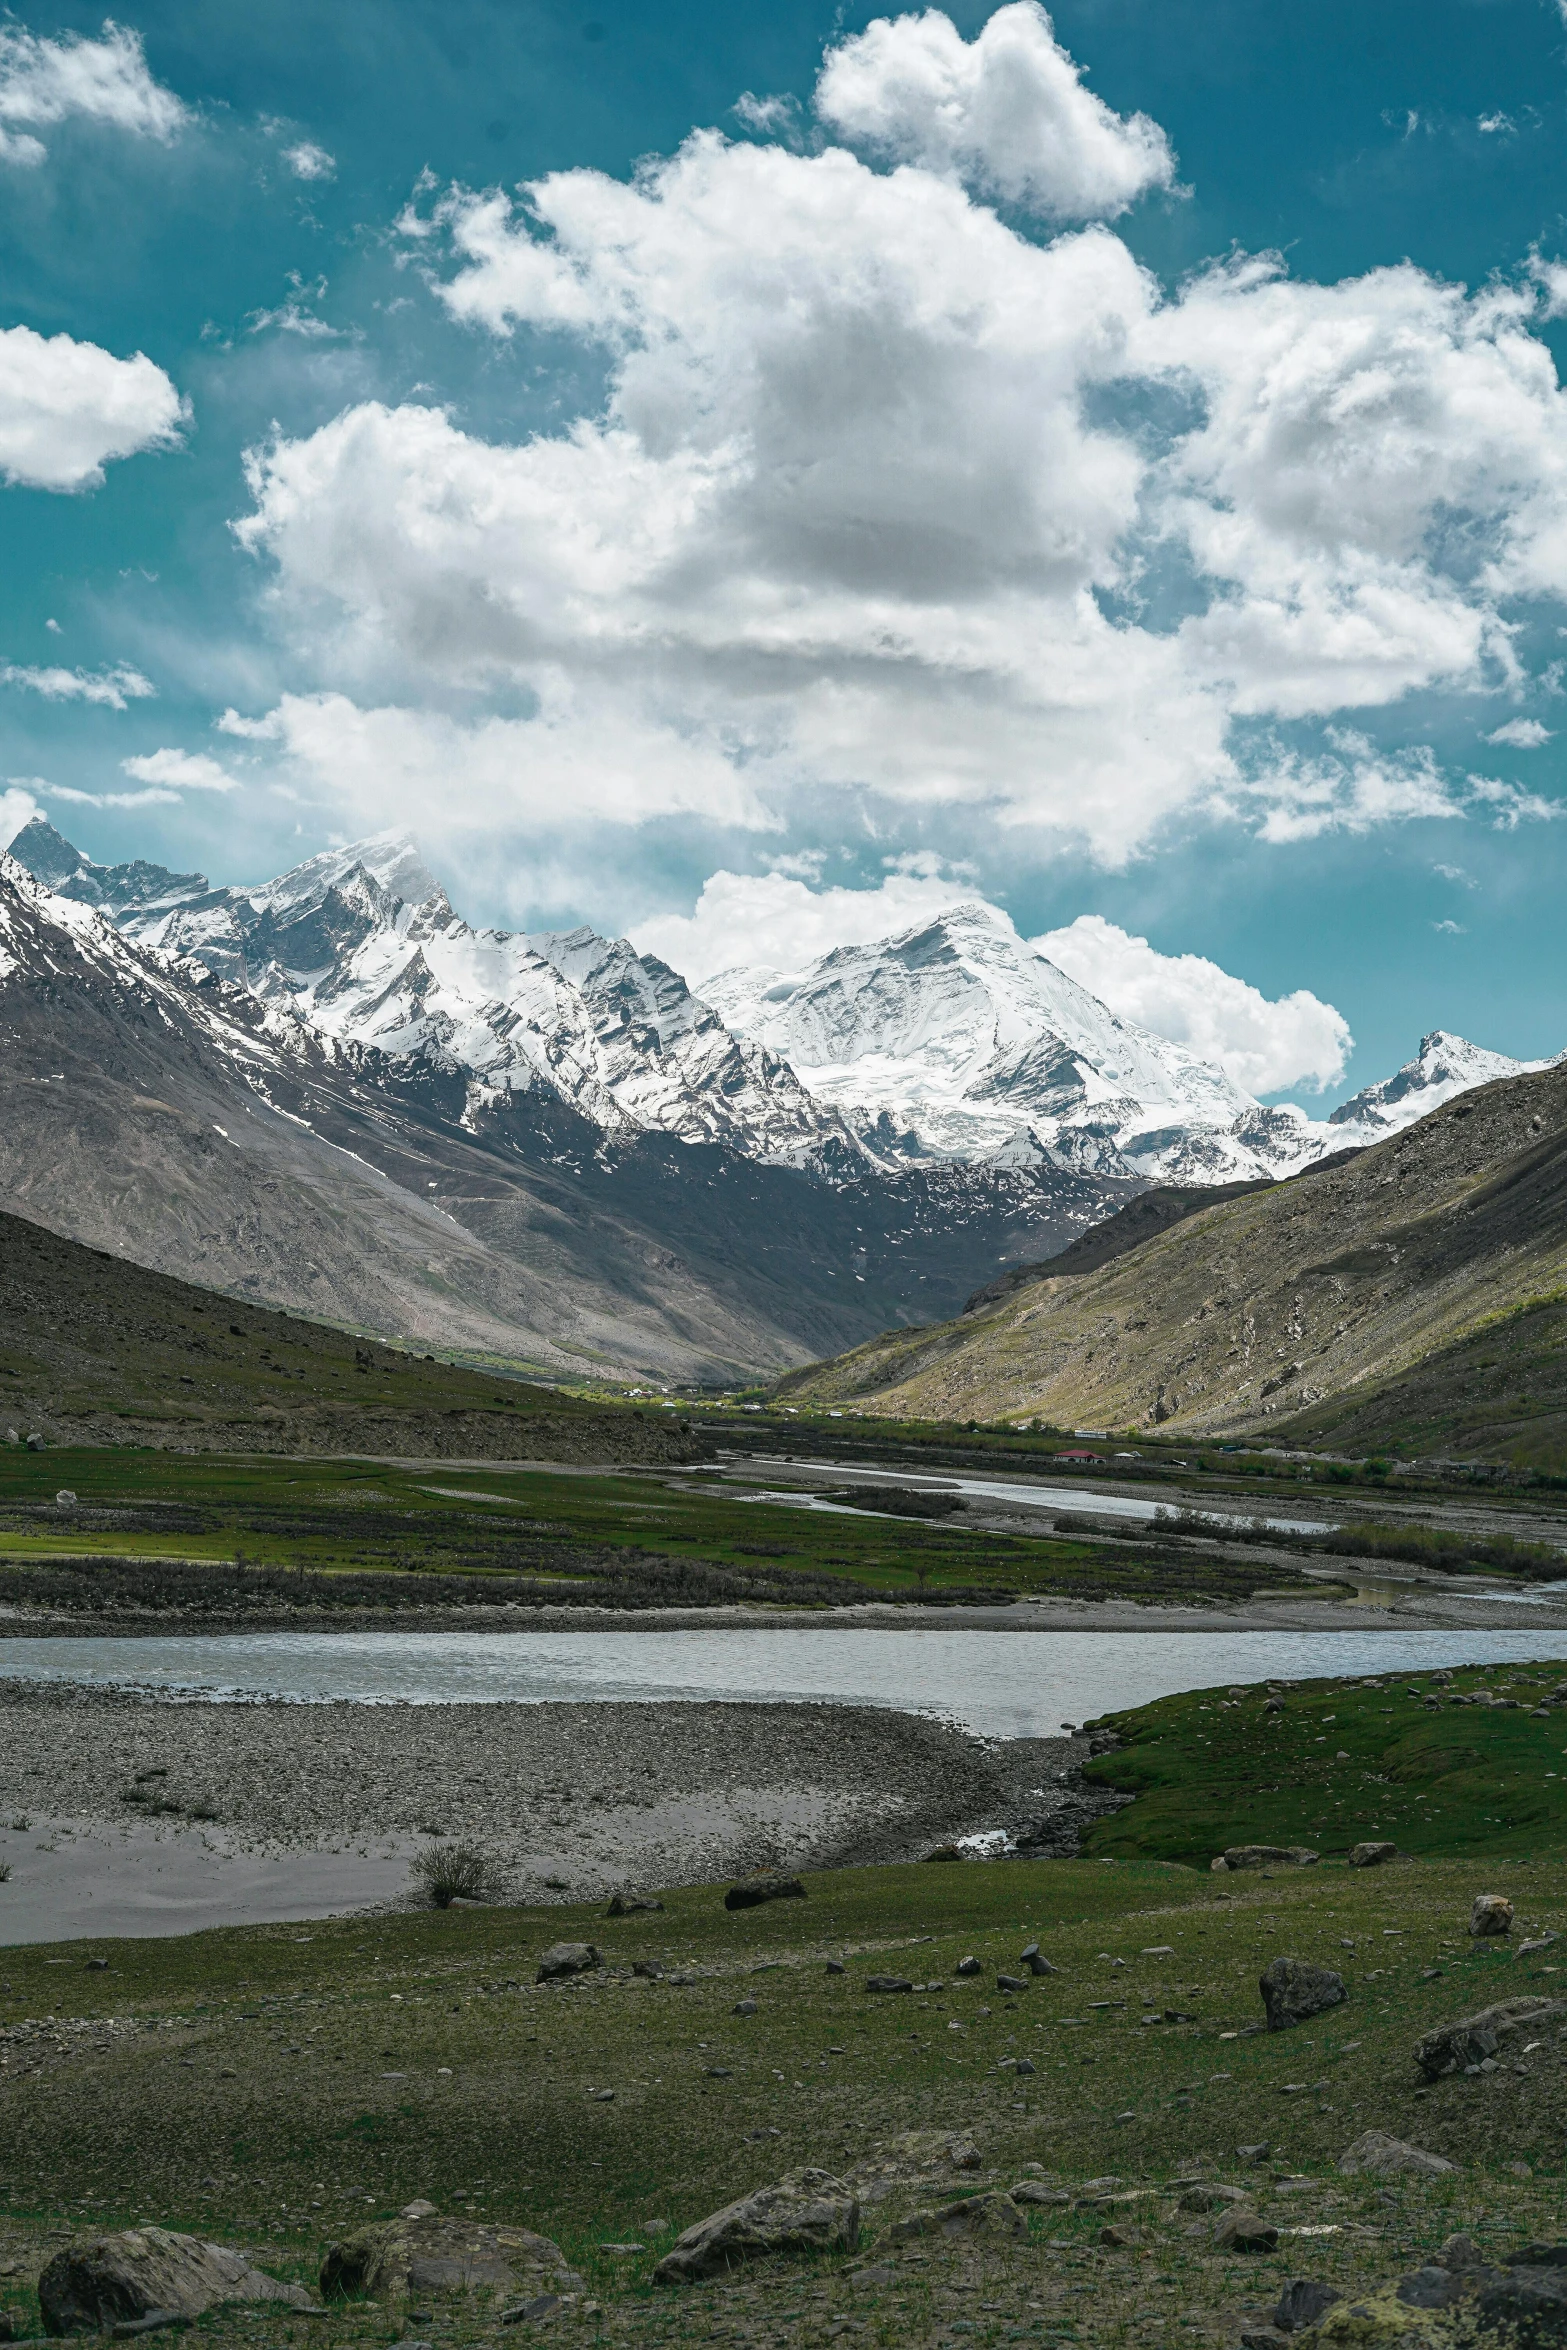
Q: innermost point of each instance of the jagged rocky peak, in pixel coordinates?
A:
(1444, 1067)
(50, 858)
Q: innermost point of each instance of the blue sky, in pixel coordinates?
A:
(920, 486)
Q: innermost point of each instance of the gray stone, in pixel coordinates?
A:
(1492, 1914)
(1024, 2067)
(1257, 2153)
(1303, 2301)
(401, 2257)
(1293, 1990)
(651, 1970)
(1033, 2191)
(1202, 2197)
(1244, 2230)
(809, 2211)
(629, 1905)
(1372, 1854)
(835, 1966)
(743, 2007)
(766, 1885)
(1036, 1962)
(887, 1983)
(1474, 2039)
(103, 2281)
(567, 1958)
(1268, 1856)
(968, 1967)
(1382, 2157)
(972, 2215)
(1428, 2288)
(1011, 1982)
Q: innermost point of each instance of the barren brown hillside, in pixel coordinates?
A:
(1266, 1305)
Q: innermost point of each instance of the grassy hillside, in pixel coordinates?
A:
(1285, 1302)
(96, 1350)
(279, 2086)
(1401, 1758)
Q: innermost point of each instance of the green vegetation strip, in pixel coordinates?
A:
(278, 2085)
(1425, 1761)
(342, 1534)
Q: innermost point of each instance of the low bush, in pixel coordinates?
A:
(453, 1872)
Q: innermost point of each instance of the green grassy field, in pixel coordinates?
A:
(276, 2086)
(348, 1519)
(1344, 1761)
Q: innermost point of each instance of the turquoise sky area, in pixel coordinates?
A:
(747, 476)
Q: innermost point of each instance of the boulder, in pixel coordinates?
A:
(567, 1958)
(1302, 2303)
(1244, 2230)
(1268, 1856)
(1034, 2191)
(967, 1967)
(766, 1885)
(1200, 2196)
(1372, 1854)
(972, 2215)
(809, 2211)
(1383, 2157)
(1292, 1990)
(402, 2257)
(887, 1983)
(100, 2282)
(1492, 1914)
(1452, 2048)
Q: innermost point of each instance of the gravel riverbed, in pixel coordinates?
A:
(141, 1813)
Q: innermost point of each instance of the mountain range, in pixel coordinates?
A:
(549, 1149)
(1410, 1294)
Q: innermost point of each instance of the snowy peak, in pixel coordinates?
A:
(1444, 1067)
(961, 1033)
(50, 858)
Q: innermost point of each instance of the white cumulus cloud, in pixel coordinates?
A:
(879, 498)
(67, 408)
(1521, 734)
(18, 806)
(1008, 112)
(307, 161)
(176, 770)
(113, 689)
(777, 922)
(1264, 1043)
(44, 79)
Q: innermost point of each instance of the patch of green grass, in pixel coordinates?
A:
(277, 2085)
(1343, 1762)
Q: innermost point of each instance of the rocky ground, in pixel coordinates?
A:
(137, 1798)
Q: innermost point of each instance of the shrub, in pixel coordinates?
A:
(453, 1872)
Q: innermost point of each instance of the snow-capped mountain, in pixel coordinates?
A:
(953, 1042)
(363, 948)
(957, 1039)
(1445, 1066)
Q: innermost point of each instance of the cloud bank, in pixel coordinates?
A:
(44, 80)
(68, 408)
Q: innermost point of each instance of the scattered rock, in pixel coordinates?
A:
(835, 1966)
(972, 2215)
(963, 2154)
(1258, 2153)
(1384, 2157)
(1372, 1854)
(433, 2255)
(541, 2305)
(1035, 1962)
(1268, 1856)
(629, 1905)
(1492, 1914)
(650, 1970)
(567, 1958)
(809, 2211)
(1524, 1949)
(1243, 2230)
(1292, 1990)
(744, 2007)
(1303, 2301)
(1033, 2191)
(1117, 2239)
(766, 1885)
(944, 1852)
(1452, 2048)
(1202, 2197)
(968, 1967)
(420, 2208)
(1011, 1982)
(1025, 2068)
(104, 2281)
(887, 1983)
